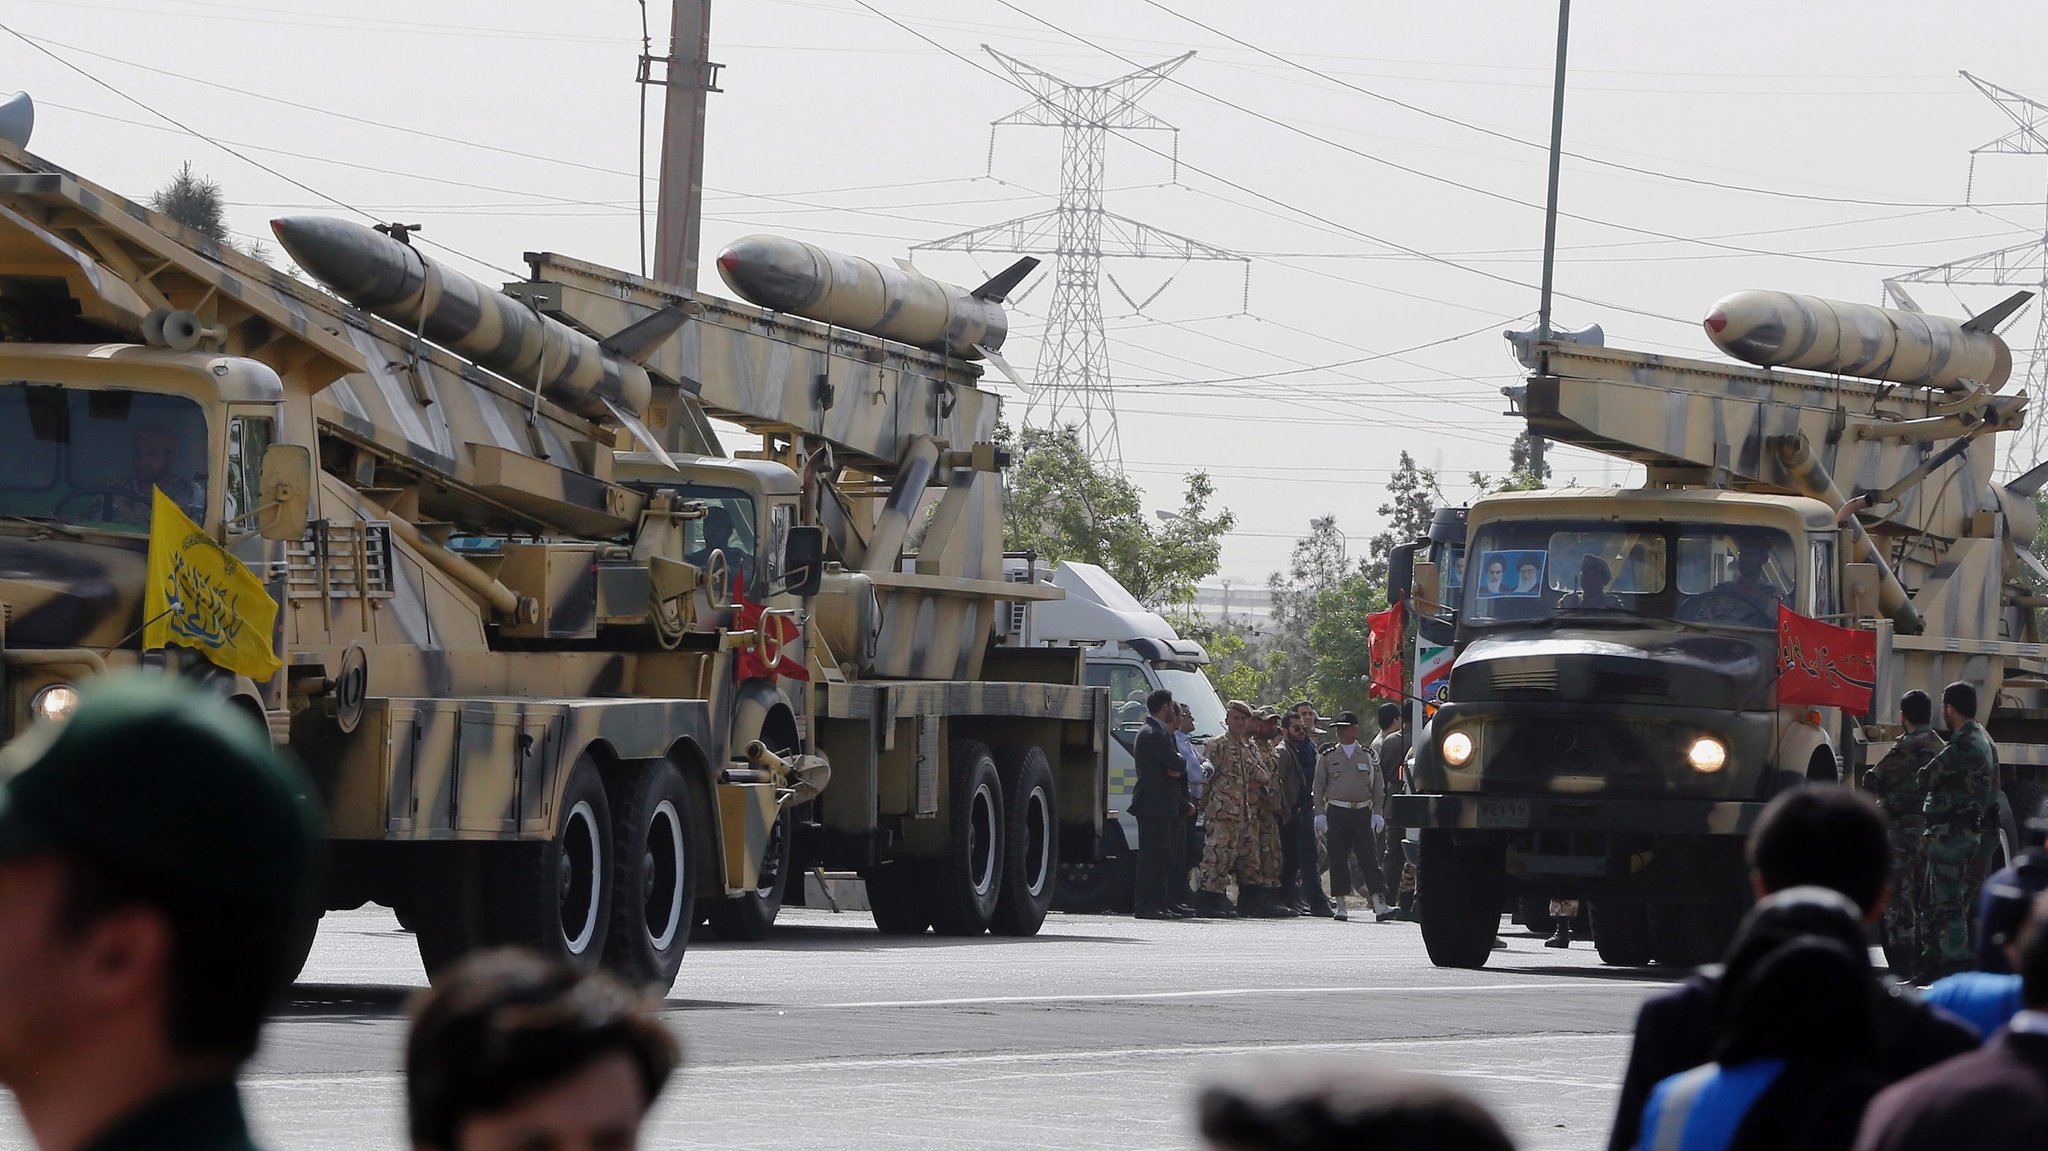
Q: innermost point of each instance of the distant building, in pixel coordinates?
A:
(1247, 604)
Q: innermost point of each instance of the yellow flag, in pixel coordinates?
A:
(201, 597)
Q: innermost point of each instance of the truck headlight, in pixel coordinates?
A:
(55, 703)
(1707, 754)
(1457, 748)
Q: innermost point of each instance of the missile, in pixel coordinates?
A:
(1779, 329)
(598, 379)
(895, 303)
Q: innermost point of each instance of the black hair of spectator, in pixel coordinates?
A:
(1916, 708)
(1301, 705)
(1299, 1106)
(228, 966)
(1823, 836)
(1388, 715)
(1962, 697)
(2034, 958)
(1158, 699)
(1809, 997)
(503, 1025)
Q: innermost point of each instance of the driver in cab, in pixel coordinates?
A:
(718, 536)
(152, 462)
(1594, 576)
(1749, 584)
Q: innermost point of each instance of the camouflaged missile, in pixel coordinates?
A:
(399, 283)
(1780, 329)
(898, 303)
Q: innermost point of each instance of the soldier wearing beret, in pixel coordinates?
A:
(157, 894)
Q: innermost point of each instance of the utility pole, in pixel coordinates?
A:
(1564, 20)
(1071, 384)
(689, 76)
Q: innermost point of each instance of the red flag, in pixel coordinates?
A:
(1824, 665)
(750, 616)
(1384, 651)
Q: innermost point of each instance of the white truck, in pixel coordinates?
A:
(1133, 651)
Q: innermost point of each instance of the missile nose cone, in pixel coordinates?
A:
(772, 272)
(1717, 320)
(365, 268)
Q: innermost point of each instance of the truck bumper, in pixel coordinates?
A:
(1576, 813)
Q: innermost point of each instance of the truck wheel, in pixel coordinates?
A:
(750, 917)
(556, 897)
(1460, 906)
(961, 886)
(1621, 931)
(300, 944)
(1104, 886)
(446, 903)
(1533, 912)
(655, 887)
(1031, 841)
(896, 899)
(1681, 934)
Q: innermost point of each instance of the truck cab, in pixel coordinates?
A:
(1611, 727)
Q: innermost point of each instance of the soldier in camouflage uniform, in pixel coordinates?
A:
(1277, 797)
(1231, 809)
(1894, 784)
(1961, 785)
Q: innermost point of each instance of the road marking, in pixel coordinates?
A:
(700, 1070)
(1231, 993)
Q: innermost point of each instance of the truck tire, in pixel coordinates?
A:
(896, 898)
(1621, 931)
(1459, 898)
(749, 918)
(655, 875)
(1681, 934)
(1104, 886)
(556, 897)
(1031, 841)
(299, 944)
(961, 886)
(445, 906)
(1533, 912)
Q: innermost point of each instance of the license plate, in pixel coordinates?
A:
(1503, 813)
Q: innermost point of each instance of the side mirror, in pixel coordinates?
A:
(1427, 590)
(1859, 590)
(803, 560)
(1401, 571)
(285, 492)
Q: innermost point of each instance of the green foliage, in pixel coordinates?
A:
(1413, 497)
(1319, 564)
(1521, 460)
(1237, 663)
(196, 201)
(1340, 639)
(1064, 507)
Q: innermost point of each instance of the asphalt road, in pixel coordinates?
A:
(1095, 1034)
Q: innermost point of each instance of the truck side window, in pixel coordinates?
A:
(248, 438)
(1823, 579)
(1127, 686)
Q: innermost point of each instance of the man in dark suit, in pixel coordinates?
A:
(1819, 836)
(1160, 802)
(1987, 1100)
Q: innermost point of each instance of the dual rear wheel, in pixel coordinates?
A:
(1002, 857)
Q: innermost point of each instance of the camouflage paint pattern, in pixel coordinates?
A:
(897, 303)
(1780, 329)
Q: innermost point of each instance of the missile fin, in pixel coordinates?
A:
(2035, 478)
(631, 423)
(1987, 321)
(1003, 366)
(637, 340)
(907, 266)
(1001, 284)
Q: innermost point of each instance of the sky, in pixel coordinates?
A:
(1381, 165)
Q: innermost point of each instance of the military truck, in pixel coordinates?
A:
(1617, 742)
(565, 674)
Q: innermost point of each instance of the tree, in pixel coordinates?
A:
(196, 202)
(1521, 461)
(1063, 507)
(1340, 641)
(1413, 497)
(1319, 564)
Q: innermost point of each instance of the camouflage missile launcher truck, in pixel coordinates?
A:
(1617, 741)
(565, 674)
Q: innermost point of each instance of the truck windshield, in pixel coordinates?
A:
(89, 456)
(728, 525)
(1714, 574)
(1191, 687)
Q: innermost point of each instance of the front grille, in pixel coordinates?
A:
(1539, 678)
(1610, 684)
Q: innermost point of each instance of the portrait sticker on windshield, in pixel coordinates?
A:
(1511, 573)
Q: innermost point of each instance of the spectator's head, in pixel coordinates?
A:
(1822, 836)
(512, 1051)
(1958, 704)
(1184, 718)
(1237, 718)
(1810, 996)
(1915, 709)
(1345, 728)
(2033, 958)
(1161, 707)
(1389, 716)
(157, 864)
(1300, 1106)
(1298, 726)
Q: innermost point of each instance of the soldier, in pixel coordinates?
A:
(1349, 790)
(152, 463)
(1390, 752)
(1961, 786)
(1893, 783)
(1277, 794)
(1229, 806)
